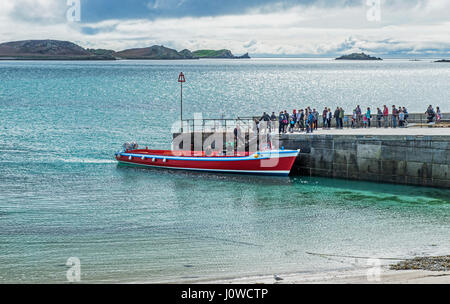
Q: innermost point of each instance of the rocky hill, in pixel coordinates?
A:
(155, 52)
(50, 50)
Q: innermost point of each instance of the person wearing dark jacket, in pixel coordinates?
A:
(273, 120)
(324, 117)
(281, 121)
(430, 114)
(379, 117)
(266, 118)
(301, 122)
(337, 117)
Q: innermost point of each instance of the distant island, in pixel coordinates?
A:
(443, 60)
(357, 56)
(65, 50)
(226, 54)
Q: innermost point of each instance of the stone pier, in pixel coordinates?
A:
(390, 156)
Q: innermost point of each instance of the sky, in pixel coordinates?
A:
(285, 28)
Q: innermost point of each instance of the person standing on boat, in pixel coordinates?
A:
(273, 121)
(438, 115)
(265, 118)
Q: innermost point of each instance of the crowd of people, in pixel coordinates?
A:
(309, 119)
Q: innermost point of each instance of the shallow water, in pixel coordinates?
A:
(62, 195)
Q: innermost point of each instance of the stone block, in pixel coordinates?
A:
(369, 166)
(393, 167)
(341, 156)
(324, 155)
(419, 170)
(369, 151)
(393, 153)
(441, 156)
(424, 155)
(441, 172)
(418, 143)
(345, 145)
(322, 144)
(441, 145)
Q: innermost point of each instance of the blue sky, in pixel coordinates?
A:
(313, 28)
(97, 10)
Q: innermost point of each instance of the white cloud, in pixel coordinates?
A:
(312, 30)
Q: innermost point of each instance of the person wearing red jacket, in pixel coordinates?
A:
(386, 116)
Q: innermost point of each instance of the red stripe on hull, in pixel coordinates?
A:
(281, 164)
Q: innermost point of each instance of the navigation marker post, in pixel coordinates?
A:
(181, 79)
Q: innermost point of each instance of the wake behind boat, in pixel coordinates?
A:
(273, 162)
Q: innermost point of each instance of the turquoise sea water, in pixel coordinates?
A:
(62, 195)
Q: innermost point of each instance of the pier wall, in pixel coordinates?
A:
(411, 160)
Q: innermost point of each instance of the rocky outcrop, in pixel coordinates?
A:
(443, 60)
(245, 56)
(218, 54)
(358, 56)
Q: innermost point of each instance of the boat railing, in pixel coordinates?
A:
(211, 125)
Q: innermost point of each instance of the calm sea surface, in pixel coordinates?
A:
(62, 195)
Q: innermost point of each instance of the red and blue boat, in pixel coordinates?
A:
(272, 162)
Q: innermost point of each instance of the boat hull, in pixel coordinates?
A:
(261, 163)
